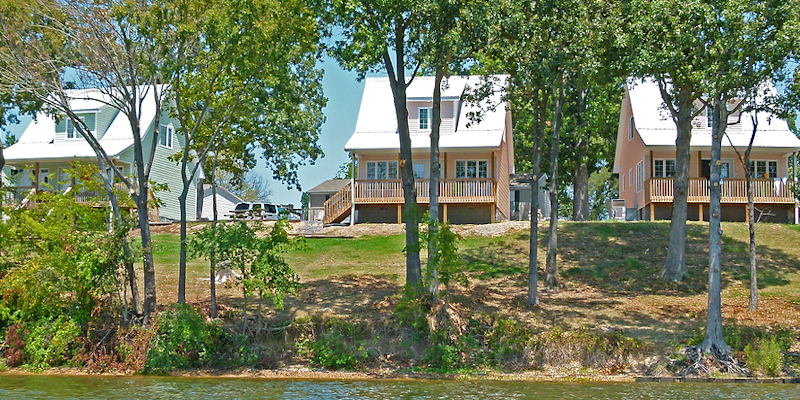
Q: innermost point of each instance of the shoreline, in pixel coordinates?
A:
(303, 374)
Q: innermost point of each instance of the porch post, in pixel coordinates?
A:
(652, 212)
(794, 183)
(700, 215)
(399, 213)
(444, 214)
(352, 189)
(36, 177)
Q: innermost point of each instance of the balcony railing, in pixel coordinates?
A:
(450, 191)
(734, 191)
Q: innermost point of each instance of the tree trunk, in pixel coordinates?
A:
(127, 254)
(580, 186)
(433, 204)
(551, 277)
(538, 135)
(751, 227)
(714, 342)
(751, 212)
(398, 84)
(213, 258)
(675, 265)
(580, 176)
(2, 165)
(182, 267)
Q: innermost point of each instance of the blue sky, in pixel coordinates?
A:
(344, 99)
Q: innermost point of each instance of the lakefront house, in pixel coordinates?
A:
(42, 155)
(476, 156)
(645, 161)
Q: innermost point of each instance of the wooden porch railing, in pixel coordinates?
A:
(450, 191)
(734, 191)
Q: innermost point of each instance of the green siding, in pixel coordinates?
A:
(168, 172)
(104, 118)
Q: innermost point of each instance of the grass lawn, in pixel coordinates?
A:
(609, 274)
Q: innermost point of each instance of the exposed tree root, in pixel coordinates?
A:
(710, 362)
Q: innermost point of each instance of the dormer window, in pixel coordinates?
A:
(165, 134)
(424, 118)
(66, 126)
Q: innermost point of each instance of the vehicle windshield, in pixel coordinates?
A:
(242, 206)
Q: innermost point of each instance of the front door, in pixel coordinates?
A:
(705, 170)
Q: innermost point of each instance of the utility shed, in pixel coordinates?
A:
(520, 196)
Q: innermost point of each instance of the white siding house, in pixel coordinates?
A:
(47, 147)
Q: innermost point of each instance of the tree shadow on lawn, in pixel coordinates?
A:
(344, 296)
(627, 258)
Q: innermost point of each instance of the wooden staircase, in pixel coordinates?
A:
(337, 208)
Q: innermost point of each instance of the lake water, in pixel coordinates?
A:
(152, 388)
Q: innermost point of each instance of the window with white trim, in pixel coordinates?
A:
(630, 177)
(71, 133)
(472, 169)
(709, 117)
(381, 170)
(664, 168)
(424, 118)
(630, 129)
(639, 176)
(165, 134)
(764, 169)
(622, 183)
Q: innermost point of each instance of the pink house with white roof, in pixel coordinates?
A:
(645, 161)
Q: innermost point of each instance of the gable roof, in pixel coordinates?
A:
(376, 128)
(38, 140)
(655, 126)
(330, 186)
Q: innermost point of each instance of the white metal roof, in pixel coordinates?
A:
(376, 128)
(38, 140)
(656, 128)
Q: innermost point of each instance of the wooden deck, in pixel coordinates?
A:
(451, 191)
(734, 191)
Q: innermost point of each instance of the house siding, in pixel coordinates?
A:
(167, 172)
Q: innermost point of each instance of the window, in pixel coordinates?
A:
(71, 134)
(709, 117)
(622, 184)
(664, 168)
(764, 169)
(639, 176)
(165, 134)
(630, 177)
(382, 170)
(630, 129)
(472, 169)
(419, 171)
(45, 174)
(424, 118)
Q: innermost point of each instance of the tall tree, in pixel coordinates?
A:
(99, 41)
(241, 73)
(455, 29)
(665, 43)
(749, 46)
(383, 36)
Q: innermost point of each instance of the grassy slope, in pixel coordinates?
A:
(609, 273)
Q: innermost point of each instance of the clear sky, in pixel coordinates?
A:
(343, 92)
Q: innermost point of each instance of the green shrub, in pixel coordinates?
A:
(184, 340)
(341, 346)
(51, 342)
(444, 354)
(765, 356)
